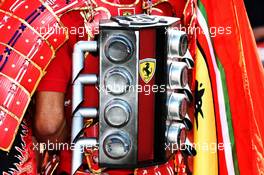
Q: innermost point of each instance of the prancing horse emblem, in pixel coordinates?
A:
(147, 68)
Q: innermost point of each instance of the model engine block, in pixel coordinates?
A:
(135, 52)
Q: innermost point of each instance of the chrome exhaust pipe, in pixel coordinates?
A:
(77, 120)
(187, 58)
(78, 63)
(79, 80)
(78, 151)
(78, 55)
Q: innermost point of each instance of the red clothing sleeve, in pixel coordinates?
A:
(58, 74)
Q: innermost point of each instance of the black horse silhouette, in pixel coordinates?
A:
(147, 69)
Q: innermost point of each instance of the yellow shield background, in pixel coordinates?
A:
(147, 68)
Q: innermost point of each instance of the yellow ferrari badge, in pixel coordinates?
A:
(147, 68)
(126, 13)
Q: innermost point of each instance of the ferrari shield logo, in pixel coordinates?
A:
(126, 11)
(147, 68)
